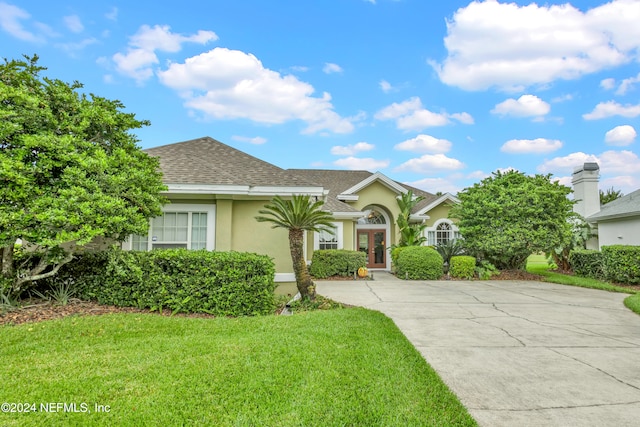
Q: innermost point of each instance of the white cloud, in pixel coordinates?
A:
(355, 163)
(624, 183)
(385, 86)
(424, 144)
(619, 162)
(621, 135)
(531, 146)
(430, 163)
(410, 115)
(433, 185)
(257, 140)
(11, 18)
(627, 84)
(525, 106)
(562, 98)
(504, 45)
(140, 56)
(350, 150)
(610, 109)
(608, 84)
(73, 23)
(299, 68)
(330, 68)
(566, 164)
(75, 47)
(230, 84)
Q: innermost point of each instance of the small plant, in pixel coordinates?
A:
(8, 303)
(62, 293)
(450, 249)
(462, 266)
(485, 270)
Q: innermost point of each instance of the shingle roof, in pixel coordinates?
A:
(338, 181)
(625, 206)
(207, 161)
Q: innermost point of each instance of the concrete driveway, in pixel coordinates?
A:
(517, 352)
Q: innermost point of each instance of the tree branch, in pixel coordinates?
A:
(33, 278)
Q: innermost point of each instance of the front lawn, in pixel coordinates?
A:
(338, 367)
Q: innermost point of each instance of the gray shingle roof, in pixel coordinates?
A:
(207, 161)
(625, 206)
(338, 181)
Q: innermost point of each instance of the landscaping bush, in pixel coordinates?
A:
(220, 283)
(622, 263)
(587, 263)
(336, 262)
(419, 263)
(395, 251)
(462, 266)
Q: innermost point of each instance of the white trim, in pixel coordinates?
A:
(348, 197)
(376, 176)
(418, 218)
(339, 234)
(386, 227)
(447, 196)
(285, 277)
(347, 215)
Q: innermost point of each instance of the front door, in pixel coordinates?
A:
(372, 243)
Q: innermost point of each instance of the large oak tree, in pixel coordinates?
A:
(70, 171)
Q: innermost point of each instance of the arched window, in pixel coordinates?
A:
(372, 217)
(443, 233)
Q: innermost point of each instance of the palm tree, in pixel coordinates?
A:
(410, 234)
(298, 215)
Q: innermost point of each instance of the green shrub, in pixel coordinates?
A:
(622, 263)
(419, 263)
(336, 262)
(587, 263)
(462, 266)
(220, 283)
(395, 251)
(485, 270)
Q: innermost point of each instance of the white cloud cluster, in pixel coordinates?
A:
(330, 68)
(231, 84)
(611, 162)
(138, 60)
(424, 144)
(351, 149)
(355, 163)
(608, 84)
(256, 140)
(612, 108)
(627, 84)
(411, 115)
(433, 185)
(430, 163)
(621, 135)
(531, 146)
(525, 106)
(12, 21)
(73, 23)
(505, 45)
(385, 86)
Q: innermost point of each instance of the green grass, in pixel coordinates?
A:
(348, 367)
(537, 264)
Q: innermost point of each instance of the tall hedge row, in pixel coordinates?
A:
(622, 263)
(336, 262)
(587, 263)
(220, 283)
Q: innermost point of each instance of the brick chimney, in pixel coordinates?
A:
(585, 189)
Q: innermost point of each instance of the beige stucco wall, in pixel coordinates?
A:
(439, 212)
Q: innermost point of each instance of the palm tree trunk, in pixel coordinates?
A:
(305, 285)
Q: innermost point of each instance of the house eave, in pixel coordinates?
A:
(242, 190)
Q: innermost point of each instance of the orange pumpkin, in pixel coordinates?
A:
(362, 272)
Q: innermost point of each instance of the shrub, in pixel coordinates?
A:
(395, 251)
(336, 262)
(462, 266)
(587, 263)
(449, 249)
(419, 263)
(220, 283)
(622, 263)
(485, 270)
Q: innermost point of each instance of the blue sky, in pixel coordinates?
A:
(437, 94)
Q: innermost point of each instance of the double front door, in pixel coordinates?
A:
(372, 242)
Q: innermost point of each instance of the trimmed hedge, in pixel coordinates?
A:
(462, 266)
(622, 263)
(419, 263)
(219, 283)
(587, 263)
(336, 262)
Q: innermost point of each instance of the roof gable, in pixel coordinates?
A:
(388, 182)
(446, 197)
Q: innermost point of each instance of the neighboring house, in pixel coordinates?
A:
(617, 222)
(216, 191)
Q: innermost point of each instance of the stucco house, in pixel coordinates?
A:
(216, 191)
(617, 222)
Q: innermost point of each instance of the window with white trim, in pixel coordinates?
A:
(326, 240)
(179, 227)
(442, 232)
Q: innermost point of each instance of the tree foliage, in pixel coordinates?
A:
(70, 171)
(411, 234)
(298, 214)
(609, 196)
(508, 216)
